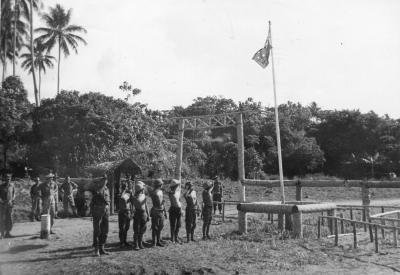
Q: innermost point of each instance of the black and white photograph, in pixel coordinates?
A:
(196, 137)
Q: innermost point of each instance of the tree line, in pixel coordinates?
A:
(73, 131)
(18, 41)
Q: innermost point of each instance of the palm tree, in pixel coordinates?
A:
(6, 41)
(21, 7)
(41, 61)
(58, 31)
(35, 89)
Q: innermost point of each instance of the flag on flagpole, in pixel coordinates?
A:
(262, 56)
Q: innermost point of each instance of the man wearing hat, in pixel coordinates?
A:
(100, 208)
(48, 190)
(140, 216)
(175, 210)
(207, 208)
(217, 194)
(68, 198)
(7, 196)
(36, 200)
(190, 211)
(157, 212)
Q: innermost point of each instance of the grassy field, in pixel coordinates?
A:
(263, 250)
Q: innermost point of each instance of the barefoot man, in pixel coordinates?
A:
(190, 212)
(175, 210)
(141, 215)
(157, 212)
(207, 208)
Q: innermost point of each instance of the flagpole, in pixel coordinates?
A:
(278, 133)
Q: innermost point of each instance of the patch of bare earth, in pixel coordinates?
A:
(263, 250)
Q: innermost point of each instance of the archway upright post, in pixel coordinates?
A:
(241, 172)
(178, 168)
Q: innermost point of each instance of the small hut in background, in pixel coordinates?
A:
(117, 172)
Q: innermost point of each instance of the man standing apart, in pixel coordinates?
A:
(217, 195)
(48, 190)
(141, 215)
(68, 199)
(190, 212)
(207, 208)
(157, 213)
(125, 214)
(36, 200)
(100, 208)
(175, 210)
(7, 196)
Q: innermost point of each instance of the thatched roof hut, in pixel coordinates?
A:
(114, 171)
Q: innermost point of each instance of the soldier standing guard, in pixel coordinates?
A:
(68, 199)
(217, 195)
(207, 209)
(175, 210)
(56, 197)
(7, 196)
(157, 213)
(125, 214)
(190, 212)
(141, 215)
(48, 190)
(100, 208)
(36, 200)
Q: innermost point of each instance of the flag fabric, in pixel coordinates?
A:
(262, 56)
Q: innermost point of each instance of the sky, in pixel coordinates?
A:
(342, 54)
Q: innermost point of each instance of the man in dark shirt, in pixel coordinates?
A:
(7, 196)
(100, 208)
(207, 208)
(36, 200)
(68, 198)
(217, 195)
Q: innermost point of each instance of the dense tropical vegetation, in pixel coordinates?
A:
(73, 131)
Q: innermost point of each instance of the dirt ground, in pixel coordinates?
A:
(258, 252)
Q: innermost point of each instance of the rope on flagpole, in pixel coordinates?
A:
(278, 134)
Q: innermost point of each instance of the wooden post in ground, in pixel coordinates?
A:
(371, 234)
(331, 213)
(298, 226)
(395, 232)
(366, 201)
(322, 221)
(336, 232)
(319, 227)
(341, 223)
(179, 153)
(383, 223)
(354, 234)
(351, 213)
(299, 193)
(376, 239)
(280, 221)
(223, 211)
(242, 190)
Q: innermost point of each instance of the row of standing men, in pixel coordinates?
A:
(133, 206)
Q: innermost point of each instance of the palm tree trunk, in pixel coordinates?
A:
(1, 4)
(4, 60)
(14, 33)
(40, 82)
(32, 56)
(58, 73)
